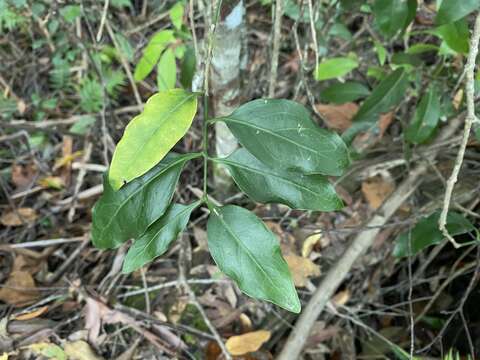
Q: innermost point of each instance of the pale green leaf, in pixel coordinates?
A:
(152, 53)
(166, 71)
(150, 136)
(335, 67)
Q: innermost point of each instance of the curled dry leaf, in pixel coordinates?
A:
(32, 314)
(310, 243)
(302, 269)
(338, 117)
(19, 217)
(376, 189)
(246, 343)
(19, 289)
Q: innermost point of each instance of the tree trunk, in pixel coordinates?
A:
(228, 61)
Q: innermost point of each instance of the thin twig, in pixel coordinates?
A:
(102, 20)
(469, 120)
(277, 34)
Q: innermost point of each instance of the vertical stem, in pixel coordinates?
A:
(205, 145)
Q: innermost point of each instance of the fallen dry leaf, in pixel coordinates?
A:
(32, 314)
(19, 289)
(249, 342)
(341, 298)
(23, 176)
(301, 269)
(309, 243)
(457, 99)
(80, 350)
(338, 117)
(18, 217)
(376, 189)
(367, 139)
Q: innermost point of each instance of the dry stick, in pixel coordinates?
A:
(79, 183)
(102, 20)
(359, 245)
(125, 65)
(469, 120)
(277, 33)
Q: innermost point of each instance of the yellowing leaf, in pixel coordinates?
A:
(301, 269)
(48, 350)
(249, 342)
(52, 182)
(80, 350)
(151, 135)
(18, 217)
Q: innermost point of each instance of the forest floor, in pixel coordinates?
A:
(62, 298)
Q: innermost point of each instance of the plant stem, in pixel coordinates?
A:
(205, 146)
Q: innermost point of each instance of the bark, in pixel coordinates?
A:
(228, 60)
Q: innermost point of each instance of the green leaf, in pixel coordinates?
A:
(187, 69)
(455, 35)
(421, 48)
(426, 233)
(128, 212)
(275, 185)
(152, 53)
(249, 253)
(381, 53)
(281, 133)
(392, 16)
(335, 67)
(158, 237)
(70, 12)
(341, 93)
(453, 10)
(426, 118)
(167, 71)
(176, 14)
(149, 136)
(82, 125)
(387, 94)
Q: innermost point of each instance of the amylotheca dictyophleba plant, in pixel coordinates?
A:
(285, 158)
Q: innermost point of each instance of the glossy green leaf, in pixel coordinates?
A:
(187, 69)
(426, 233)
(392, 16)
(167, 71)
(158, 237)
(128, 212)
(341, 93)
(274, 185)
(152, 53)
(249, 253)
(166, 118)
(455, 35)
(426, 118)
(176, 14)
(453, 10)
(335, 67)
(281, 133)
(387, 94)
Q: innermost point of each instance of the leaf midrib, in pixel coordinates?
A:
(264, 173)
(268, 131)
(247, 251)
